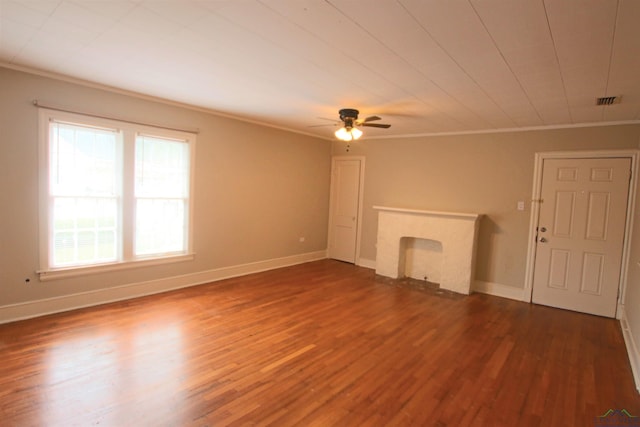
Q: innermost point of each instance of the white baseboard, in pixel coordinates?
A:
(632, 348)
(498, 290)
(367, 263)
(20, 311)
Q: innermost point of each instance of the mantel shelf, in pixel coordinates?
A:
(473, 216)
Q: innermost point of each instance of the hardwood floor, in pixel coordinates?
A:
(323, 343)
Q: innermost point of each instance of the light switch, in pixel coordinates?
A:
(520, 205)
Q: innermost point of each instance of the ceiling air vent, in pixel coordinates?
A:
(607, 100)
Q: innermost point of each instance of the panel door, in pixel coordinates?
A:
(581, 234)
(343, 219)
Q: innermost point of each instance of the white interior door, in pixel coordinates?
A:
(344, 208)
(581, 234)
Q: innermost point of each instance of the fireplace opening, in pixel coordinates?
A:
(421, 258)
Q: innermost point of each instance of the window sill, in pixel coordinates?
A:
(61, 273)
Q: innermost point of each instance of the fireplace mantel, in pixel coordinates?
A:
(470, 216)
(457, 232)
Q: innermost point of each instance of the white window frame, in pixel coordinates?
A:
(128, 131)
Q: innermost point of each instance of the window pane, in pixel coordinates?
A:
(160, 226)
(64, 248)
(84, 231)
(162, 168)
(83, 161)
(106, 244)
(86, 246)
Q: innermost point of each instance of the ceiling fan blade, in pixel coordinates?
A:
(335, 122)
(368, 119)
(376, 125)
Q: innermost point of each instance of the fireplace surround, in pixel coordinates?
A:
(455, 232)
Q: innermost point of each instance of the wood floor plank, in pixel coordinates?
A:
(322, 343)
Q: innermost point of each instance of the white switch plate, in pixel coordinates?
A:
(520, 205)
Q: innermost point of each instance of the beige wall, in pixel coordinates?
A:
(257, 189)
(486, 174)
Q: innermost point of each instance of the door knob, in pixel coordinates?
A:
(543, 240)
(543, 229)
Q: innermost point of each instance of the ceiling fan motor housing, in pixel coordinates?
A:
(348, 116)
(348, 113)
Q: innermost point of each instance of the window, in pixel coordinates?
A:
(113, 194)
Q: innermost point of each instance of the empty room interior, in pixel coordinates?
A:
(319, 212)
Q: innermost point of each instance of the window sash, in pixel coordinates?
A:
(161, 195)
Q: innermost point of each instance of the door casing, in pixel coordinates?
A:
(535, 212)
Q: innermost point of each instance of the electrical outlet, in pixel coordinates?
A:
(301, 239)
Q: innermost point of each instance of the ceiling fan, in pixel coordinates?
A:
(349, 131)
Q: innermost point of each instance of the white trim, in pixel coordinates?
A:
(25, 310)
(628, 232)
(360, 205)
(533, 221)
(61, 273)
(499, 290)
(514, 130)
(535, 210)
(367, 263)
(632, 348)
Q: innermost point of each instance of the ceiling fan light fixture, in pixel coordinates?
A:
(349, 117)
(343, 134)
(348, 134)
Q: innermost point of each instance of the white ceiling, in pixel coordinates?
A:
(425, 66)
